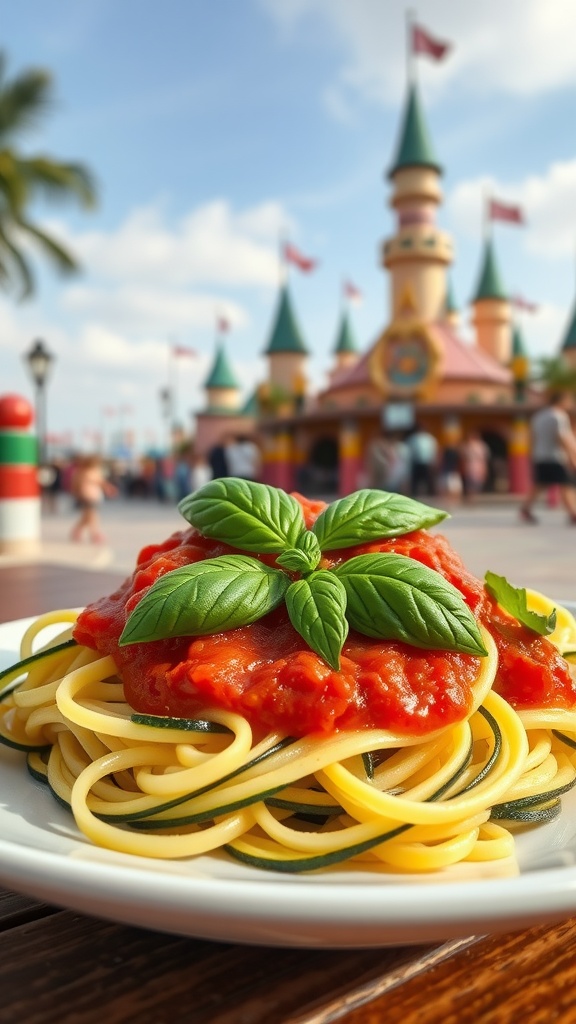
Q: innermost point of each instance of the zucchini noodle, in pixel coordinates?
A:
(370, 799)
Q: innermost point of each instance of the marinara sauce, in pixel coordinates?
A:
(267, 673)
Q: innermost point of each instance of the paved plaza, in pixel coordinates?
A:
(488, 535)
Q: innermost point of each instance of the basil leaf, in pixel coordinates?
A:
(303, 558)
(317, 609)
(397, 598)
(206, 597)
(513, 600)
(370, 515)
(244, 514)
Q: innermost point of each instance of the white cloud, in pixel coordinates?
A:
(137, 309)
(211, 244)
(522, 47)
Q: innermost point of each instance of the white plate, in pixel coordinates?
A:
(43, 855)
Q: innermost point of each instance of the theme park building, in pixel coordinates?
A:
(418, 370)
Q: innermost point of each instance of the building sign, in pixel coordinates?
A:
(405, 360)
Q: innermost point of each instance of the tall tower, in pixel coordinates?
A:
(492, 316)
(286, 351)
(419, 253)
(222, 388)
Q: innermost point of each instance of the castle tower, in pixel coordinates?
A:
(345, 350)
(286, 351)
(419, 253)
(222, 387)
(492, 316)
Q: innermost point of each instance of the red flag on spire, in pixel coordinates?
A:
(181, 350)
(352, 293)
(293, 255)
(222, 324)
(504, 211)
(423, 42)
(524, 305)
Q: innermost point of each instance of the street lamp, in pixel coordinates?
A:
(39, 361)
(167, 408)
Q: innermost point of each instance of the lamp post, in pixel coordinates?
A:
(39, 361)
(167, 408)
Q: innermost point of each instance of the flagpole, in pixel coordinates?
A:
(282, 261)
(410, 58)
(487, 225)
(172, 384)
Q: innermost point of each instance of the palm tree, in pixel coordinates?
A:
(555, 374)
(24, 99)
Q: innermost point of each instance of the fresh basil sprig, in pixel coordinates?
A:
(514, 600)
(382, 595)
(206, 597)
(317, 609)
(245, 514)
(305, 557)
(397, 598)
(371, 515)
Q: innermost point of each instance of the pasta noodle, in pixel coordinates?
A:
(371, 799)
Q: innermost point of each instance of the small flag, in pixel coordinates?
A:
(503, 211)
(423, 42)
(293, 255)
(181, 350)
(222, 325)
(523, 304)
(352, 293)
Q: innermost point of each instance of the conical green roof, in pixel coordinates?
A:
(490, 284)
(345, 340)
(415, 147)
(569, 341)
(286, 335)
(518, 345)
(221, 375)
(251, 407)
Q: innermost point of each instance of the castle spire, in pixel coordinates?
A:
(285, 335)
(492, 316)
(489, 283)
(415, 147)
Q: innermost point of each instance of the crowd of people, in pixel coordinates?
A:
(87, 480)
(414, 463)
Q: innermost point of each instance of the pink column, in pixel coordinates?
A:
(278, 466)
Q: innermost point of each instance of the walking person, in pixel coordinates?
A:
(89, 488)
(553, 455)
(474, 460)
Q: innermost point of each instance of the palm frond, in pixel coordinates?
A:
(14, 266)
(58, 180)
(62, 258)
(24, 100)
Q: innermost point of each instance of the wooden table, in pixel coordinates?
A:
(58, 966)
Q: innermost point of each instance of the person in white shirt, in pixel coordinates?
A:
(243, 458)
(553, 455)
(423, 448)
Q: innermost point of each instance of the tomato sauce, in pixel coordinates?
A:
(267, 673)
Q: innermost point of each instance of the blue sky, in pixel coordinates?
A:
(215, 126)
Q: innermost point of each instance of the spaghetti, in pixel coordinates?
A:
(374, 798)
